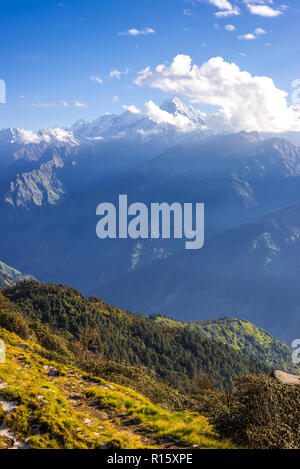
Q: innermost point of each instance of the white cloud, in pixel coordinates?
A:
(224, 14)
(137, 32)
(260, 31)
(230, 27)
(221, 4)
(240, 100)
(115, 99)
(79, 104)
(159, 116)
(251, 36)
(133, 109)
(63, 103)
(263, 10)
(115, 74)
(247, 37)
(256, 7)
(96, 79)
(187, 12)
(226, 8)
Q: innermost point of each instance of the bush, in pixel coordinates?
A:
(12, 320)
(201, 383)
(50, 341)
(262, 413)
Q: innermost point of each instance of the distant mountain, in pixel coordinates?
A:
(50, 205)
(251, 271)
(139, 127)
(10, 276)
(40, 168)
(238, 177)
(55, 136)
(132, 127)
(52, 181)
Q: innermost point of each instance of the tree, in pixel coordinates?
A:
(201, 383)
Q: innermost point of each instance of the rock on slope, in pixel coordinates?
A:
(287, 378)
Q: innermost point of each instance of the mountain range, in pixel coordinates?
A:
(51, 182)
(250, 271)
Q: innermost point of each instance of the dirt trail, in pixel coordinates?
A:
(74, 388)
(75, 393)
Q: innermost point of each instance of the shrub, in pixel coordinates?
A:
(201, 383)
(15, 322)
(262, 414)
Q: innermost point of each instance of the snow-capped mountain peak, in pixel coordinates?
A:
(55, 136)
(141, 125)
(177, 107)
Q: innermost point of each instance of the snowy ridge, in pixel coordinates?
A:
(53, 136)
(173, 118)
(127, 125)
(140, 125)
(177, 107)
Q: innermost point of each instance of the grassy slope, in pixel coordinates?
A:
(244, 337)
(76, 410)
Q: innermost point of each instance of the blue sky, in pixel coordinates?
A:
(57, 57)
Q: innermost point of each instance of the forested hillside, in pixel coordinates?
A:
(244, 336)
(59, 390)
(175, 355)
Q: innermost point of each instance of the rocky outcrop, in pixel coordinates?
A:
(286, 378)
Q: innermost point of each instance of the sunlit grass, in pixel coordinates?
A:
(183, 427)
(43, 407)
